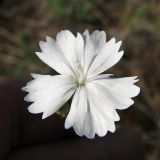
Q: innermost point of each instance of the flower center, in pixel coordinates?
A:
(81, 82)
(80, 79)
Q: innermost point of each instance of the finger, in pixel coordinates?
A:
(125, 144)
(27, 128)
(4, 120)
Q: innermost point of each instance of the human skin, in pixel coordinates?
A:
(26, 136)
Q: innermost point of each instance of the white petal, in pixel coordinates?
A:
(108, 57)
(79, 48)
(77, 63)
(66, 42)
(61, 100)
(125, 86)
(72, 113)
(89, 131)
(90, 113)
(117, 91)
(53, 57)
(97, 77)
(93, 45)
(98, 38)
(85, 35)
(81, 112)
(79, 115)
(116, 116)
(126, 80)
(48, 93)
(105, 107)
(103, 114)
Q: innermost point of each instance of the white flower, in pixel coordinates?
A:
(80, 60)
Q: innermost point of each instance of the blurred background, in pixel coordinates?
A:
(137, 22)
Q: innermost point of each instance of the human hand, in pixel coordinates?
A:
(26, 136)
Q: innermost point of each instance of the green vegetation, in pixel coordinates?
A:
(71, 9)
